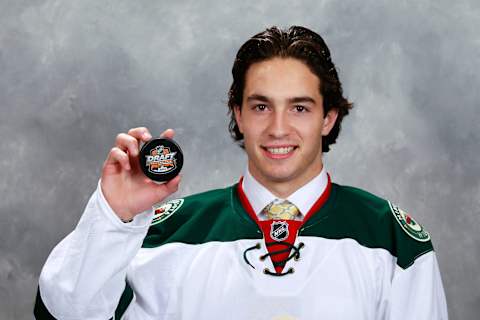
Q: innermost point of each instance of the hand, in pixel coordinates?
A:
(125, 187)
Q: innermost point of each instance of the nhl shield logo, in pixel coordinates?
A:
(279, 230)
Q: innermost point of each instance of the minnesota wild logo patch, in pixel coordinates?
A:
(165, 210)
(410, 226)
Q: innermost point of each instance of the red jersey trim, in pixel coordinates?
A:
(289, 228)
(315, 207)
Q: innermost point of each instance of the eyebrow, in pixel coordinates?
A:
(259, 97)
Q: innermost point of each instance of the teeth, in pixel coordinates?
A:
(280, 150)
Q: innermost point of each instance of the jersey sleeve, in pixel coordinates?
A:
(85, 274)
(417, 291)
(411, 282)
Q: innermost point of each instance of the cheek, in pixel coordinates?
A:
(309, 130)
(252, 128)
(251, 137)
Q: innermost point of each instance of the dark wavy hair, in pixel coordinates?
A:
(299, 43)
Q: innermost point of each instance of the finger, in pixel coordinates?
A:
(140, 133)
(118, 156)
(169, 133)
(166, 189)
(127, 142)
(172, 185)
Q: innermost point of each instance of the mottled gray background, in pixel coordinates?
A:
(75, 73)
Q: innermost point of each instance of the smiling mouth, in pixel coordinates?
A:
(279, 152)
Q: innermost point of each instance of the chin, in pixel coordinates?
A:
(274, 172)
(279, 175)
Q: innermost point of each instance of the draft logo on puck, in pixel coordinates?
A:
(161, 159)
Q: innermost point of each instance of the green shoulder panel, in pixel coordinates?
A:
(373, 222)
(350, 212)
(199, 218)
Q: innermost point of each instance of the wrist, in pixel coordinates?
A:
(123, 215)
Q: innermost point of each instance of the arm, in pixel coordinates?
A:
(84, 276)
(417, 291)
(411, 285)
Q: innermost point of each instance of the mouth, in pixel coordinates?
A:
(279, 152)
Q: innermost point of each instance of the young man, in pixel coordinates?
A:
(282, 243)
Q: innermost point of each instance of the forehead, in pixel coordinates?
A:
(281, 77)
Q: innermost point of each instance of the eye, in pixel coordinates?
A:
(300, 108)
(260, 107)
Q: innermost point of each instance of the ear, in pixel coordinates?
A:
(238, 117)
(329, 121)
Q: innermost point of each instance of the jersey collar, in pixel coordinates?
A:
(304, 198)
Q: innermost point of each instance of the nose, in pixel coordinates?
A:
(278, 125)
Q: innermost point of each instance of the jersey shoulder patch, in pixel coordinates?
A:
(165, 210)
(411, 227)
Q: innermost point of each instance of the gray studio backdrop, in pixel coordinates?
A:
(73, 74)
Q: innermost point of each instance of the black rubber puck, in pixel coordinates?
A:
(161, 159)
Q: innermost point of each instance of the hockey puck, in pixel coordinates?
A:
(161, 159)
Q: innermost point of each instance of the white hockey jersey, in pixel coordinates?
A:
(355, 256)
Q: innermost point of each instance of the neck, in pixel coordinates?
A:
(282, 188)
